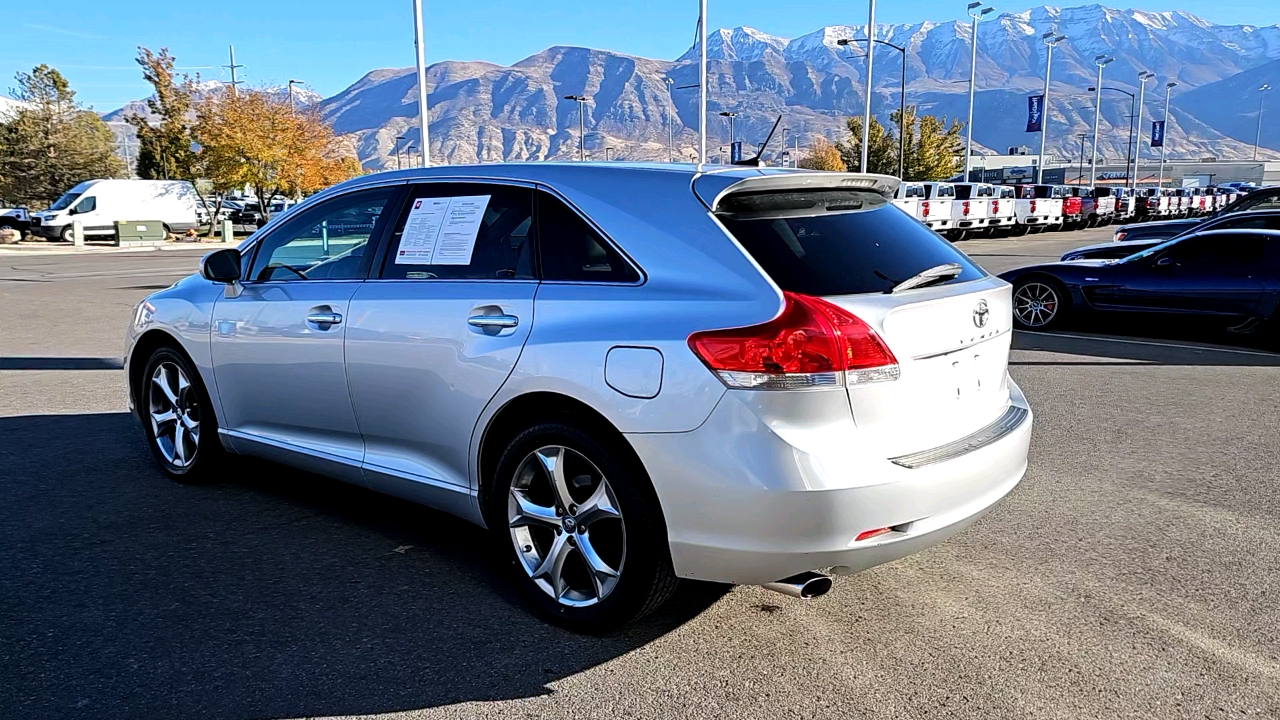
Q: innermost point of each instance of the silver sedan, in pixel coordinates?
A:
(630, 374)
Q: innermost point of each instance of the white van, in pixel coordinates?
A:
(99, 204)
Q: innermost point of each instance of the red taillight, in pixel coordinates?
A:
(924, 207)
(1033, 206)
(868, 534)
(811, 344)
(966, 207)
(995, 206)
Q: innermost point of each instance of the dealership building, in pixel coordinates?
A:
(1020, 168)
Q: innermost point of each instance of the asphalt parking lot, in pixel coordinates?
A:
(1134, 573)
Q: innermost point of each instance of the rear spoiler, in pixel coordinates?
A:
(711, 188)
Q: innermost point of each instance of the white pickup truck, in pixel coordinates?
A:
(1034, 213)
(1002, 216)
(969, 212)
(907, 198)
(935, 207)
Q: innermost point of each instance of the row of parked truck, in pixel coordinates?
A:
(962, 210)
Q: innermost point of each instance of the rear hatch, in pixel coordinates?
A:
(949, 337)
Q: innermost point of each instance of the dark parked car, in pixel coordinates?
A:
(1264, 199)
(15, 219)
(1256, 220)
(1223, 279)
(249, 214)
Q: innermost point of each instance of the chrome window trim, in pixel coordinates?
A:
(1012, 419)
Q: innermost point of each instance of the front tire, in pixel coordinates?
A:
(581, 528)
(68, 234)
(178, 419)
(1040, 303)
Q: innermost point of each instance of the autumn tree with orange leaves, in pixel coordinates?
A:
(253, 138)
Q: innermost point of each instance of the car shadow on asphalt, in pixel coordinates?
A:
(273, 594)
(1121, 351)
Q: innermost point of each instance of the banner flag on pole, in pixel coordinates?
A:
(1035, 113)
(1157, 134)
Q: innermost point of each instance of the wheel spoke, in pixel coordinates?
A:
(161, 418)
(600, 506)
(530, 514)
(179, 442)
(552, 461)
(551, 570)
(161, 381)
(191, 424)
(603, 577)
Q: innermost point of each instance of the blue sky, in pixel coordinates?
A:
(329, 44)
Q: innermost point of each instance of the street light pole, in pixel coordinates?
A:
(1080, 177)
(902, 98)
(1101, 61)
(973, 76)
(732, 127)
(396, 148)
(1143, 77)
(866, 113)
(1051, 40)
(582, 126)
(671, 126)
(702, 82)
(424, 112)
(1262, 96)
(1164, 141)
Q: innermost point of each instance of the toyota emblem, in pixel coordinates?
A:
(980, 314)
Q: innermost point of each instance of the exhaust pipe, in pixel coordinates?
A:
(804, 586)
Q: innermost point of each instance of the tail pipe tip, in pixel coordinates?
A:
(804, 586)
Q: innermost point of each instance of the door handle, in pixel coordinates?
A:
(324, 318)
(493, 321)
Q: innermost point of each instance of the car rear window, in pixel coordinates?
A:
(836, 242)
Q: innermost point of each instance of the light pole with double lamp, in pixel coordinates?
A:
(1262, 96)
(1051, 40)
(902, 99)
(1143, 77)
(1101, 61)
(973, 76)
(1164, 140)
(582, 125)
(732, 126)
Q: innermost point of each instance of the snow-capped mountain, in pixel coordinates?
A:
(486, 112)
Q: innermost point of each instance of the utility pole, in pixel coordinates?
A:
(973, 76)
(424, 111)
(1051, 40)
(1164, 141)
(702, 81)
(1262, 96)
(732, 132)
(291, 84)
(1101, 61)
(866, 112)
(1143, 77)
(671, 126)
(231, 50)
(582, 126)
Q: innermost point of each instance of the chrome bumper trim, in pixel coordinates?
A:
(1011, 420)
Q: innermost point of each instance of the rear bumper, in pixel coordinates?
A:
(744, 506)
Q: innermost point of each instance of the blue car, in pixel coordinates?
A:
(1223, 279)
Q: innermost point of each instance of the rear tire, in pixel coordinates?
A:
(178, 419)
(614, 565)
(1040, 303)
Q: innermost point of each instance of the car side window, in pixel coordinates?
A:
(463, 231)
(572, 251)
(1219, 251)
(327, 242)
(1270, 201)
(1265, 222)
(88, 204)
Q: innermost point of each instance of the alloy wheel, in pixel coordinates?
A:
(566, 526)
(174, 412)
(1035, 304)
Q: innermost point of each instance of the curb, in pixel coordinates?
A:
(9, 251)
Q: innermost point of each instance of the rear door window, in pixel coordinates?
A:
(572, 251)
(836, 242)
(463, 231)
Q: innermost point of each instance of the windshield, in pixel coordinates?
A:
(836, 242)
(65, 201)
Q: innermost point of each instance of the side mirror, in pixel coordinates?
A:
(1165, 261)
(72, 210)
(222, 266)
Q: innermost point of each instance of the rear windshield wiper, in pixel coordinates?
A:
(932, 276)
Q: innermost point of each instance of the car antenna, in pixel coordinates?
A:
(755, 161)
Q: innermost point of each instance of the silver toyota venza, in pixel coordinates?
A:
(629, 374)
